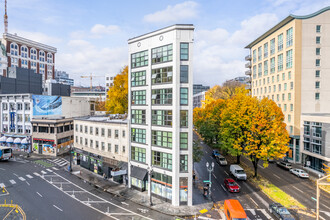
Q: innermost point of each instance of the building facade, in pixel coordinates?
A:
(160, 113)
(25, 53)
(198, 88)
(63, 78)
(198, 99)
(108, 83)
(288, 66)
(101, 145)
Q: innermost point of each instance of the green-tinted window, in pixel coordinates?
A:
(139, 97)
(162, 139)
(162, 117)
(138, 78)
(162, 54)
(183, 118)
(138, 154)
(184, 51)
(162, 75)
(139, 59)
(163, 160)
(161, 97)
(138, 116)
(138, 135)
(183, 140)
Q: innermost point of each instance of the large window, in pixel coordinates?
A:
(318, 40)
(183, 118)
(254, 56)
(162, 117)
(162, 139)
(139, 59)
(162, 54)
(265, 67)
(318, 28)
(272, 46)
(280, 62)
(259, 53)
(289, 59)
(184, 74)
(254, 69)
(138, 78)
(184, 140)
(183, 96)
(289, 37)
(183, 163)
(139, 97)
(265, 50)
(272, 65)
(259, 69)
(138, 116)
(162, 160)
(161, 96)
(184, 51)
(162, 75)
(138, 154)
(138, 135)
(280, 42)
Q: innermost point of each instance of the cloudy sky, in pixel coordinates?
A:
(91, 36)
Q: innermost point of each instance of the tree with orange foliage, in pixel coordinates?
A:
(117, 101)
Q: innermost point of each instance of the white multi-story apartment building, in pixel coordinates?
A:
(161, 112)
(108, 83)
(101, 145)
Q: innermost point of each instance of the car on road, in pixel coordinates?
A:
(215, 153)
(280, 212)
(237, 172)
(221, 160)
(300, 173)
(231, 185)
(284, 165)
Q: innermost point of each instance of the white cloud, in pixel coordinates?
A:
(99, 30)
(178, 12)
(37, 36)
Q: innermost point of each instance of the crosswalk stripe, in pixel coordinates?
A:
(2, 185)
(12, 181)
(56, 160)
(62, 163)
(54, 168)
(29, 176)
(43, 172)
(265, 213)
(327, 213)
(21, 178)
(252, 211)
(49, 170)
(37, 174)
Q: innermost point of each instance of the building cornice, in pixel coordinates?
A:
(18, 39)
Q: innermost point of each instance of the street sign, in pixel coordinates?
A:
(206, 181)
(314, 199)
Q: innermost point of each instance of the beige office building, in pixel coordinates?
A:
(288, 65)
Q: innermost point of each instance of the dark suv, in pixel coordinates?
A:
(284, 165)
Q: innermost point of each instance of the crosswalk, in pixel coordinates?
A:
(59, 161)
(24, 178)
(253, 214)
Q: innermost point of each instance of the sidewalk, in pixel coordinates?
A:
(142, 198)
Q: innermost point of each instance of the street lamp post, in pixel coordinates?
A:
(210, 169)
(70, 158)
(150, 171)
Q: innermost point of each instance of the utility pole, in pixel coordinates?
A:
(6, 18)
(150, 171)
(318, 183)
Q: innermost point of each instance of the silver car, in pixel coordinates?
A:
(300, 173)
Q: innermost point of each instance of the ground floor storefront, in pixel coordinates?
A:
(16, 142)
(106, 167)
(315, 163)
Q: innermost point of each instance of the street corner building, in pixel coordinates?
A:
(289, 64)
(160, 113)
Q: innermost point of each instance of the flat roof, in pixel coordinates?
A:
(112, 118)
(162, 30)
(284, 22)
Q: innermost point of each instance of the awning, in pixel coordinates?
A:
(3, 139)
(10, 140)
(24, 141)
(17, 141)
(138, 173)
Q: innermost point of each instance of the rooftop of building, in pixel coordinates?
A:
(51, 120)
(284, 22)
(16, 38)
(162, 30)
(112, 118)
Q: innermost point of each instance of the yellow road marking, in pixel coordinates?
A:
(203, 211)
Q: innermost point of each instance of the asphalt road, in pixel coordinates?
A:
(52, 193)
(301, 189)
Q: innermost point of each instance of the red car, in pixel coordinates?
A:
(231, 185)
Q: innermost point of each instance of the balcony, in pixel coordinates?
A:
(248, 65)
(248, 72)
(248, 58)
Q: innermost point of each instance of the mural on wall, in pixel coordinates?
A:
(47, 105)
(48, 148)
(35, 147)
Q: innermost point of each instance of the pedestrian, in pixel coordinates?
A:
(104, 176)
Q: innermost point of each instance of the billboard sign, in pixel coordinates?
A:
(47, 105)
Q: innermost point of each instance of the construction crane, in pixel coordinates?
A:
(91, 79)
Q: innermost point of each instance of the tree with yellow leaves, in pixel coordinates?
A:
(117, 101)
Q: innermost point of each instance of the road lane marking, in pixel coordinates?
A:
(262, 167)
(37, 174)
(277, 176)
(58, 208)
(54, 168)
(254, 202)
(124, 203)
(43, 172)
(27, 183)
(224, 189)
(39, 194)
(49, 170)
(29, 176)
(21, 178)
(214, 176)
(253, 212)
(2, 185)
(256, 195)
(298, 189)
(2, 169)
(265, 213)
(325, 206)
(12, 181)
(15, 174)
(226, 173)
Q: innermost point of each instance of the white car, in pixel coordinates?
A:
(300, 173)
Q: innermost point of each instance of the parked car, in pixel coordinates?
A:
(300, 173)
(215, 153)
(285, 165)
(231, 185)
(237, 172)
(280, 211)
(221, 160)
